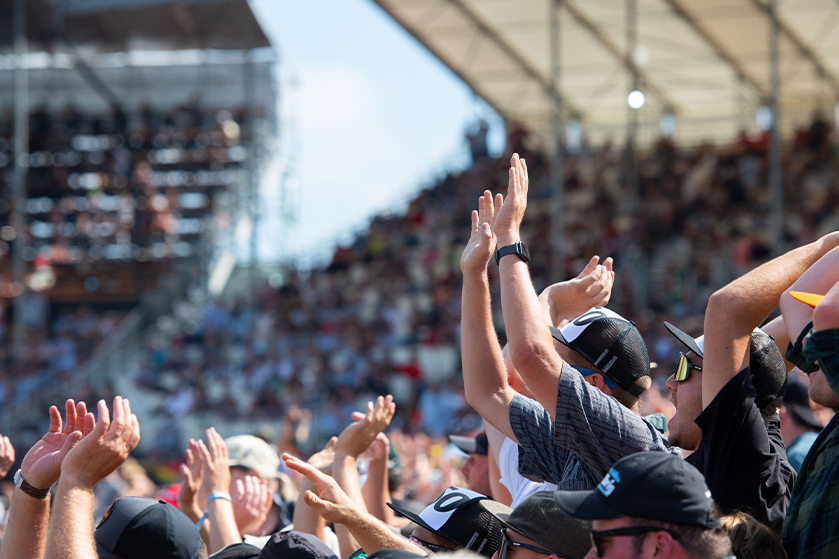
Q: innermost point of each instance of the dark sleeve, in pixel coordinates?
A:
(596, 427)
(745, 467)
(538, 456)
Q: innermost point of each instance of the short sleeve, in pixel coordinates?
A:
(538, 455)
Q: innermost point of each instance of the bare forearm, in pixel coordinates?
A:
(484, 373)
(777, 329)
(826, 315)
(306, 519)
(224, 530)
(346, 475)
(528, 336)
(373, 535)
(819, 278)
(375, 490)
(26, 529)
(70, 533)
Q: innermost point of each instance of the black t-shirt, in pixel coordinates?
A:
(744, 461)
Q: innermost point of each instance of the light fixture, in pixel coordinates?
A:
(635, 99)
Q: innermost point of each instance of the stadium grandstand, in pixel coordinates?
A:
(129, 216)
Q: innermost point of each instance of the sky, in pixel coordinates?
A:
(374, 116)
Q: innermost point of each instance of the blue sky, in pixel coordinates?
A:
(376, 115)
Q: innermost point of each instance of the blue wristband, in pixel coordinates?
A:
(212, 497)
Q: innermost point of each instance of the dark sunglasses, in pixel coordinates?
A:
(433, 548)
(683, 370)
(506, 544)
(598, 539)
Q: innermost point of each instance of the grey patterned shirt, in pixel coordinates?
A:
(591, 432)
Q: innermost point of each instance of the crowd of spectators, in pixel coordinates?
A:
(384, 315)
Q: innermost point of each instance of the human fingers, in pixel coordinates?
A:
(10, 449)
(134, 438)
(609, 263)
(69, 442)
(523, 177)
(186, 474)
(474, 221)
(489, 209)
(589, 267)
(89, 423)
(119, 421)
(481, 208)
(330, 443)
(80, 415)
(69, 416)
(104, 420)
(357, 416)
(210, 445)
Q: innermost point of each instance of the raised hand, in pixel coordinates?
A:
(41, 466)
(7, 455)
(511, 211)
(482, 243)
(569, 299)
(322, 460)
(251, 502)
(105, 447)
(216, 467)
(358, 435)
(330, 502)
(193, 474)
(378, 449)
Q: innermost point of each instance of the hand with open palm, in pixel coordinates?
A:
(41, 466)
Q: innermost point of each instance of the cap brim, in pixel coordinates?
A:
(807, 298)
(467, 444)
(684, 338)
(498, 510)
(805, 415)
(557, 334)
(104, 553)
(585, 505)
(412, 516)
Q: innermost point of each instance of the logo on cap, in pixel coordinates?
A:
(607, 486)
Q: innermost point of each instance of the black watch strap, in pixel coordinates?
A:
(519, 249)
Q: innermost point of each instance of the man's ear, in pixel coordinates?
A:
(597, 380)
(661, 545)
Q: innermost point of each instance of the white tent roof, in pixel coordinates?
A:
(706, 61)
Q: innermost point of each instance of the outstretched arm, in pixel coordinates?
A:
(26, 530)
(98, 454)
(216, 482)
(334, 505)
(531, 345)
(484, 373)
(819, 278)
(306, 519)
(736, 309)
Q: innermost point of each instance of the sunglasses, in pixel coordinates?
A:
(433, 548)
(683, 370)
(506, 544)
(599, 541)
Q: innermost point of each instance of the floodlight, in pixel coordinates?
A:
(635, 99)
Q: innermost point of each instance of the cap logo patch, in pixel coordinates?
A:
(572, 330)
(453, 498)
(607, 486)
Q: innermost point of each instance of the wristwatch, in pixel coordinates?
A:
(24, 486)
(519, 249)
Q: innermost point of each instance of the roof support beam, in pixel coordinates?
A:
(821, 68)
(543, 82)
(515, 56)
(681, 10)
(625, 57)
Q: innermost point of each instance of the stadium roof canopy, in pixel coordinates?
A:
(704, 61)
(120, 25)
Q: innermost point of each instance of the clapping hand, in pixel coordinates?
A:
(358, 435)
(41, 466)
(569, 299)
(482, 243)
(193, 474)
(510, 211)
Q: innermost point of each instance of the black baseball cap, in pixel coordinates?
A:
(239, 550)
(797, 403)
(693, 344)
(768, 370)
(540, 519)
(143, 528)
(471, 445)
(296, 545)
(654, 485)
(611, 343)
(457, 516)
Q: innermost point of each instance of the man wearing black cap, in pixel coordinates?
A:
(589, 383)
(476, 468)
(799, 425)
(650, 504)
(738, 372)
(537, 527)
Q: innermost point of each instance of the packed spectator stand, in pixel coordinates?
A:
(384, 318)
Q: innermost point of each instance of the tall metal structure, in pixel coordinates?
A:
(21, 167)
(632, 116)
(557, 171)
(776, 181)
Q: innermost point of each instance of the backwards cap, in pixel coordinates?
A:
(457, 516)
(609, 342)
